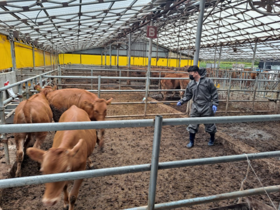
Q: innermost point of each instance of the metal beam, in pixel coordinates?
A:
(13, 55)
(254, 55)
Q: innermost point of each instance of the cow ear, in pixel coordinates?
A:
(36, 154)
(54, 87)
(76, 148)
(109, 101)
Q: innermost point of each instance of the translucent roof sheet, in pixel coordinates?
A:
(72, 25)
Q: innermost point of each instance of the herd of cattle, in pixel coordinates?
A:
(70, 149)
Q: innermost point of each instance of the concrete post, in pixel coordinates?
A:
(199, 31)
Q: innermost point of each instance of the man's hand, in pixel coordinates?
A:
(179, 103)
(214, 108)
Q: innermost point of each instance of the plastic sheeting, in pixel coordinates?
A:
(5, 53)
(135, 61)
(24, 56)
(39, 57)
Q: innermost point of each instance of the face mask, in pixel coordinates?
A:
(191, 77)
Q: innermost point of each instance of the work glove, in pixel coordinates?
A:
(179, 103)
(214, 108)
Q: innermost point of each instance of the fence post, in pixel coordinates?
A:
(27, 90)
(20, 92)
(41, 81)
(120, 75)
(254, 96)
(4, 139)
(159, 84)
(154, 164)
(99, 84)
(59, 79)
(91, 82)
(228, 95)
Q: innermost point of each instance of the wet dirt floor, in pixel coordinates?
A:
(131, 146)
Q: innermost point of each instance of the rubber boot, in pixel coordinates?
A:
(212, 139)
(191, 143)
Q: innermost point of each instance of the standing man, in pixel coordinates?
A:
(205, 102)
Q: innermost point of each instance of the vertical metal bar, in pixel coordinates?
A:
(44, 54)
(129, 58)
(148, 74)
(27, 90)
(105, 58)
(20, 91)
(154, 163)
(159, 84)
(110, 55)
(99, 85)
(254, 56)
(254, 96)
(101, 58)
(41, 81)
(120, 74)
(228, 95)
(91, 82)
(33, 57)
(31, 84)
(59, 79)
(12, 44)
(199, 31)
(118, 50)
(4, 138)
(180, 60)
(157, 53)
(220, 55)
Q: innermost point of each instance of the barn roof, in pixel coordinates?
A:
(72, 25)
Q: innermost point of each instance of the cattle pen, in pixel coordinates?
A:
(135, 54)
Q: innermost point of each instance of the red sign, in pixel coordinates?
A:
(152, 32)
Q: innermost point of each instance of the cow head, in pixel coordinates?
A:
(97, 111)
(55, 160)
(45, 90)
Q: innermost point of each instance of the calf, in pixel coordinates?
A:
(34, 110)
(96, 108)
(69, 152)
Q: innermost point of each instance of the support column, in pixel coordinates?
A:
(13, 51)
(148, 74)
(33, 57)
(105, 56)
(129, 58)
(199, 31)
(110, 55)
(44, 54)
(118, 56)
(254, 55)
(180, 60)
(220, 54)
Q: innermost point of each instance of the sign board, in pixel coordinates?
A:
(152, 32)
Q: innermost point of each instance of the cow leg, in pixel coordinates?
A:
(66, 199)
(90, 163)
(19, 139)
(74, 193)
(39, 139)
(101, 140)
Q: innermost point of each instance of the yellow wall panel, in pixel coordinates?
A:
(48, 59)
(72, 58)
(24, 56)
(39, 57)
(5, 53)
(91, 59)
(123, 60)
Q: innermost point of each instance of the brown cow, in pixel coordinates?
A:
(96, 108)
(174, 84)
(34, 110)
(69, 152)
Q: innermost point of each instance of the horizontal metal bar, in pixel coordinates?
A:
(23, 81)
(212, 198)
(39, 127)
(17, 182)
(151, 78)
(163, 114)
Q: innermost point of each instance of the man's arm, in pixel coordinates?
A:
(214, 93)
(187, 95)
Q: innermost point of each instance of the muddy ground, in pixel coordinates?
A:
(131, 146)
